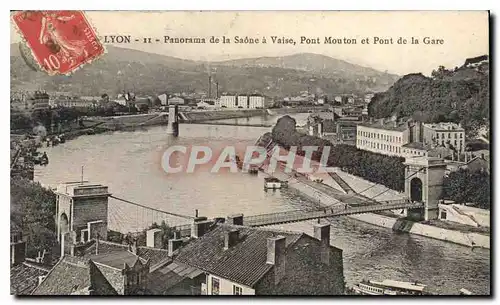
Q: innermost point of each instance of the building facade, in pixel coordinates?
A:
(385, 138)
(445, 134)
(256, 101)
(242, 101)
(227, 101)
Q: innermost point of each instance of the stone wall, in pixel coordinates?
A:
(461, 238)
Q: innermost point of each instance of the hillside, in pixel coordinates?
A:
(147, 73)
(460, 95)
(321, 64)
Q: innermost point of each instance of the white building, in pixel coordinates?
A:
(256, 101)
(227, 101)
(383, 137)
(445, 133)
(242, 101)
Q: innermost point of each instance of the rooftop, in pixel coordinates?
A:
(155, 256)
(417, 145)
(82, 188)
(74, 275)
(386, 125)
(444, 126)
(24, 278)
(117, 259)
(243, 263)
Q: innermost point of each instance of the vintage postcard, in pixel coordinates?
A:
(281, 153)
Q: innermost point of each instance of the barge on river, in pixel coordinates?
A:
(274, 183)
(389, 287)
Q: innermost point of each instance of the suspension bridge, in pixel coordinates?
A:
(339, 204)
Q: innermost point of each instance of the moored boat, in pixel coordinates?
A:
(274, 183)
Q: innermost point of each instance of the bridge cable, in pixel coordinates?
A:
(388, 189)
(150, 208)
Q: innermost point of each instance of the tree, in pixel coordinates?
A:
(33, 210)
(464, 186)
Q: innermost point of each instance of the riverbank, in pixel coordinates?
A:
(199, 116)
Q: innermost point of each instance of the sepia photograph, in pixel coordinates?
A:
(253, 153)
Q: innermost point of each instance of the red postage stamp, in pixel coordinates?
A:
(61, 41)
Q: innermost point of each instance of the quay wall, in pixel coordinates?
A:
(402, 225)
(276, 111)
(148, 119)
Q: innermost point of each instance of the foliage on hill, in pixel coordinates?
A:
(145, 73)
(33, 209)
(64, 116)
(460, 96)
(464, 186)
(376, 168)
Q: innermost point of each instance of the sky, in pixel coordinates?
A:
(465, 34)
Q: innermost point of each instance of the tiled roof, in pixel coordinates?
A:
(166, 277)
(244, 263)
(74, 276)
(24, 278)
(117, 259)
(68, 276)
(155, 255)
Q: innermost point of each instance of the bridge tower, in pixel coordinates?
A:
(82, 211)
(173, 120)
(424, 183)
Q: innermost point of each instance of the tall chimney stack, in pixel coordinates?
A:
(216, 89)
(276, 256)
(210, 86)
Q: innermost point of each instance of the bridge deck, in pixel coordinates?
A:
(297, 216)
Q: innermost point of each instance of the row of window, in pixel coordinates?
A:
(375, 145)
(414, 152)
(443, 135)
(378, 136)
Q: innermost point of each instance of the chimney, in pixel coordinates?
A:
(322, 233)
(209, 86)
(276, 256)
(231, 238)
(177, 234)
(173, 245)
(153, 238)
(199, 228)
(235, 219)
(97, 246)
(132, 247)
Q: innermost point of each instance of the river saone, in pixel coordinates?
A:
(130, 164)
